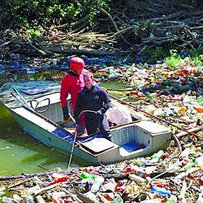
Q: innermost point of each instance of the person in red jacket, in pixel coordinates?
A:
(71, 84)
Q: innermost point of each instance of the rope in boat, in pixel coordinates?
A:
(87, 111)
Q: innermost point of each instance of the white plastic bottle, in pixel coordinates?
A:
(7, 200)
(136, 178)
(97, 184)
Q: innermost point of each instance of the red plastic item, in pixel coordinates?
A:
(175, 98)
(134, 93)
(185, 71)
(101, 71)
(193, 175)
(60, 179)
(128, 170)
(119, 187)
(201, 181)
(108, 197)
(183, 164)
(137, 94)
(56, 199)
(157, 184)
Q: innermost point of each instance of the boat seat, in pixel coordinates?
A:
(98, 145)
(128, 152)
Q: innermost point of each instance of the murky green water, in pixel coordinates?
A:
(20, 153)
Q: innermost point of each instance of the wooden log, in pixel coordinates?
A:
(196, 129)
(85, 51)
(37, 49)
(121, 176)
(24, 176)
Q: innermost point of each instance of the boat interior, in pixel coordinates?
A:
(127, 135)
(130, 137)
(124, 135)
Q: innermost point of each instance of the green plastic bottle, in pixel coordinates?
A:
(85, 175)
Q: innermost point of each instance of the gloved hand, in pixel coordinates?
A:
(65, 113)
(68, 121)
(80, 129)
(99, 113)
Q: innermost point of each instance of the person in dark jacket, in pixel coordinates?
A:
(71, 84)
(93, 101)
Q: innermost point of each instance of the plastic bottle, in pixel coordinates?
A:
(151, 201)
(109, 185)
(18, 198)
(38, 180)
(85, 175)
(136, 178)
(199, 162)
(39, 199)
(29, 199)
(185, 152)
(33, 189)
(97, 184)
(161, 191)
(7, 200)
(117, 199)
(157, 156)
(200, 100)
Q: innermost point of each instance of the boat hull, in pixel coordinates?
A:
(52, 140)
(129, 140)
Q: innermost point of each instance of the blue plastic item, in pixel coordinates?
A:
(161, 191)
(130, 147)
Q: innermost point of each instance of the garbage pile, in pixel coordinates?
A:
(173, 175)
(170, 95)
(173, 93)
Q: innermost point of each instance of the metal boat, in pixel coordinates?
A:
(36, 107)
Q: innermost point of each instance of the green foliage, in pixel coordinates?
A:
(156, 53)
(33, 33)
(197, 56)
(74, 10)
(198, 60)
(17, 13)
(92, 8)
(174, 59)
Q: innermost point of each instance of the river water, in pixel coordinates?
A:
(20, 153)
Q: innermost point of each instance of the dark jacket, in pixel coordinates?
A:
(94, 99)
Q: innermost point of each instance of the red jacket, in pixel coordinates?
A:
(71, 84)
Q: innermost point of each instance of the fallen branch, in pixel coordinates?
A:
(5, 44)
(196, 129)
(37, 49)
(24, 176)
